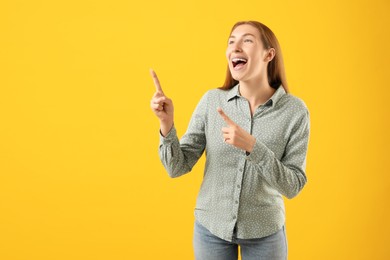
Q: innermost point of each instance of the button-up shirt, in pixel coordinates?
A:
(241, 190)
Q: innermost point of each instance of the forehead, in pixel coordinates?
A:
(245, 29)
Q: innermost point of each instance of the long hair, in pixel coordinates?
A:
(275, 69)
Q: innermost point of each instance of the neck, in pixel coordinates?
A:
(256, 92)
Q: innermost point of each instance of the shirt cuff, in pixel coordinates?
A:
(170, 137)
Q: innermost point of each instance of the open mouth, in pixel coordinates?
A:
(239, 62)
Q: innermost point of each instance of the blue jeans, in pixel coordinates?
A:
(210, 247)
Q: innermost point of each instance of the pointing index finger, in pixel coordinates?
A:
(225, 117)
(156, 81)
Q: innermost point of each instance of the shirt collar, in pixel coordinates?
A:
(234, 92)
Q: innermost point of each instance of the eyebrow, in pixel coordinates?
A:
(246, 34)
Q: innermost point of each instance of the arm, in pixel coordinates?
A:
(178, 157)
(288, 174)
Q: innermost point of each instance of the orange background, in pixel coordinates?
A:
(80, 176)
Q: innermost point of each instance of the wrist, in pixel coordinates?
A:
(251, 144)
(165, 127)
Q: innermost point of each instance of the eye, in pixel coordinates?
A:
(230, 42)
(248, 40)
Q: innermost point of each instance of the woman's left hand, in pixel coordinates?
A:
(233, 134)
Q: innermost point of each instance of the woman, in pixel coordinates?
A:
(255, 136)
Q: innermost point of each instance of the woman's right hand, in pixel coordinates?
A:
(162, 106)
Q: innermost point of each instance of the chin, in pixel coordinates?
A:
(237, 77)
(234, 75)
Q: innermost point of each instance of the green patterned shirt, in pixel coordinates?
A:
(241, 190)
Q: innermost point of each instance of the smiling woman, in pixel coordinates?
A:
(255, 136)
(263, 36)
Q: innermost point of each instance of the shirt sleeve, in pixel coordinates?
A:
(288, 174)
(178, 157)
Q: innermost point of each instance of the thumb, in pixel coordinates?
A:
(225, 117)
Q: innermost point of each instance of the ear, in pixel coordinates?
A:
(270, 54)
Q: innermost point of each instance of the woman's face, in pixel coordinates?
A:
(246, 55)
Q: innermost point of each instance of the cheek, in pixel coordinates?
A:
(257, 59)
(227, 53)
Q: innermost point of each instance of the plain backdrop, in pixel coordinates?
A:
(80, 176)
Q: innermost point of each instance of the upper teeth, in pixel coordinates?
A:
(238, 59)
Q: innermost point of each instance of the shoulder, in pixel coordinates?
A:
(295, 109)
(214, 95)
(294, 104)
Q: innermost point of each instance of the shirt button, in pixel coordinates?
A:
(238, 186)
(234, 217)
(241, 169)
(236, 202)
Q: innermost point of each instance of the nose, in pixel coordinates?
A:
(237, 47)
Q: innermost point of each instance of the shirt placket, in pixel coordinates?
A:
(242, 163)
